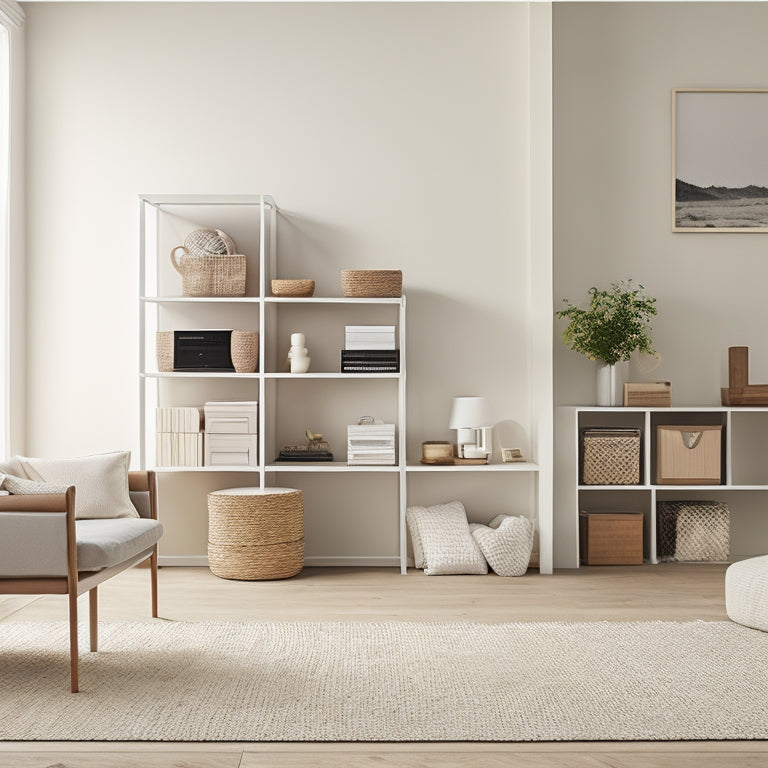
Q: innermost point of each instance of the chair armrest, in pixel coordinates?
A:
(42, 502)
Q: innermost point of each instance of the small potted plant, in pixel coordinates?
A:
(614, 325)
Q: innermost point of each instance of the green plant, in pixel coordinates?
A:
(616, 323)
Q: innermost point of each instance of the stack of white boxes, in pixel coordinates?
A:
(178, 439)
(231, 434)
(369, 444)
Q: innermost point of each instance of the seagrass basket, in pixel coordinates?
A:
(690, 531)
(244, 350)
(210, 274)
(611, 457)
(256, 533)
(164, 350)
(371, 283)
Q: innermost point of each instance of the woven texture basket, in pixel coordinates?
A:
(244, 350)
(256, 534)
(164, 350)
(210, 275)
(611, 457)
(371, 283)
(692, 531)
(299, 288)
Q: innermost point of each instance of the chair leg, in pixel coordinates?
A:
(93, 608)
(73, 644)
(153, 575)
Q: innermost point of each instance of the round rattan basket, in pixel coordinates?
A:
(244, 350)
(294, 288)
(371, 283)
(256, 533)
(211, 274)
(164, 350)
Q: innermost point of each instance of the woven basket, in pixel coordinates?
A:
(296, 288)
(210, 275)
(371, 283)
(692, 531)
(244, 350)
(256, 534)
(611, 457)
(164, 349)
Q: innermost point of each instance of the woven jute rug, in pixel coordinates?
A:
(391, 681)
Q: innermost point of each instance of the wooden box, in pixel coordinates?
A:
(231, 450)
(688, 455)
(654, 395)
(611, 457)
(232, 418)
(611, 538)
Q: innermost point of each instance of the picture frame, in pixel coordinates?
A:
(511, 455)
(719, 160)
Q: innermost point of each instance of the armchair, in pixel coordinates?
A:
(45, 550)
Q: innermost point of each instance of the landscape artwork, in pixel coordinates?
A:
(720, 160)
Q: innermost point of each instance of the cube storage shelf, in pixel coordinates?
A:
(252, 222)
(743, 470)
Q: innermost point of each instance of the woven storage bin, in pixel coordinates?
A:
(611, 457)
(371, 283)
(244, 350)
(256, 533)
(210, 275)
(164, 350)
(692, 531)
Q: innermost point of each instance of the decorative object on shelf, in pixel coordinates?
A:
(178, 439)
(370, 361)
(370, 442)
(293, 288)
(164, 351)
(611, 456)
(611, 538)
(209, 265)
(692, 531)
(231, 433)
(471, 419)
(512, 455)
(656, 394)
(315, 449)
(718, 160)
(256, 533)
(688, 455)
(202, 350)
(371, 283)
(436, 452)
(740, 391)
(616, 324)
(298, 357)
(506, 543)
(245, 351)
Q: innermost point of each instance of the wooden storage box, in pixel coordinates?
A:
(231, 450)
(240, 418)
(611, 538)
(688, 455)
(611, 457)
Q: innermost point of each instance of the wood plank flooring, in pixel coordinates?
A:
(668, 592)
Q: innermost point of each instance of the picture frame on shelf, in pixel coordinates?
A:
(719, 160)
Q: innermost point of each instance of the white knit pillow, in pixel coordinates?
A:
(442, 543)
(100, 480)
(20, 486)
(506, 542)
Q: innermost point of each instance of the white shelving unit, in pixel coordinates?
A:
(161, 310)
(743, 470)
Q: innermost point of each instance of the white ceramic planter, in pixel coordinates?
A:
(610, 383)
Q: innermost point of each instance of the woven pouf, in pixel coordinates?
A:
(256, 533)
(746, 592)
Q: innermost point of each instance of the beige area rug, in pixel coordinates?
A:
(391, 681)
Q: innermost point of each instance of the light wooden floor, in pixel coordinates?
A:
(666, 592)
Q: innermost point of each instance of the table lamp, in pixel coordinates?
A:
(470, 419)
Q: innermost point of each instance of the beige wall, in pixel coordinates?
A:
(615, 65)
(392, 135)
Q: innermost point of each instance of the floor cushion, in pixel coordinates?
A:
(746, 592)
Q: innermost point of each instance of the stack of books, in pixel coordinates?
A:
(370, 349)
(370, 444)
(179, 441)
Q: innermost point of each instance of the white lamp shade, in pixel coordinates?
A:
(469, 412)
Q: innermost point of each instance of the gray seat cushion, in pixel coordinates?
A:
(106, 542)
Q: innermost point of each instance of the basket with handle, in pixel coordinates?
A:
(208, 265)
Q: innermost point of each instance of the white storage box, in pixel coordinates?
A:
(231, 450)
(232, 418)
(371, 444)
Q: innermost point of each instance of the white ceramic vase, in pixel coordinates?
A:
(610, 383)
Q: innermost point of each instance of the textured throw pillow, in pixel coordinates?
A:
(21, 486)
(506, 543)
(442, 542)
(100, 480)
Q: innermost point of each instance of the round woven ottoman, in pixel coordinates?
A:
(746, 592)
(256, 533)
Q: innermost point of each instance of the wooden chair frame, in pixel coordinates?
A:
(76, 583)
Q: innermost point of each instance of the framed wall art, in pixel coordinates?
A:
(719, 160)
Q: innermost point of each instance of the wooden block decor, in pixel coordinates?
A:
(656, 394)
(739, 390)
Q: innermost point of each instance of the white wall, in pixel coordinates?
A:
(392, 135)
(615, 65)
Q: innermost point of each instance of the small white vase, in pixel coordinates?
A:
(610, 383)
